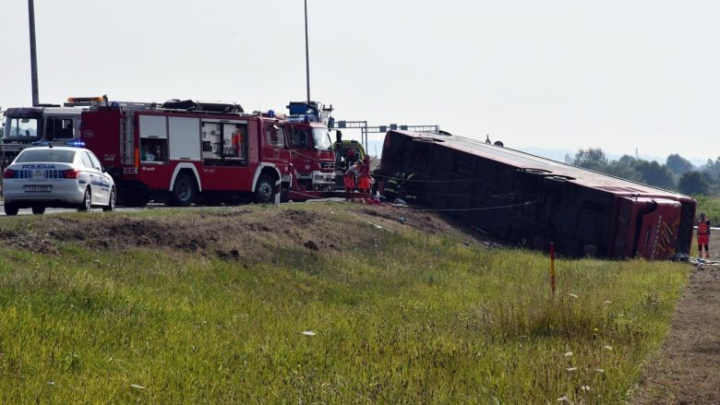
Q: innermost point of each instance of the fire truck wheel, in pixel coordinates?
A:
(265, 190)
(184, 192)
(86, 204)
(111, 202)
(11, 209)
(38, 210)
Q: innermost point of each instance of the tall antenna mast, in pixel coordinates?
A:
(307, 53)
(33, 54)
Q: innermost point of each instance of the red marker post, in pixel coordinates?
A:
(552, 267)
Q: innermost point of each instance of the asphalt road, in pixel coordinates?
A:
(28, 211)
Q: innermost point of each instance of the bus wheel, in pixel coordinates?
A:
(184, 192)
(265, 190)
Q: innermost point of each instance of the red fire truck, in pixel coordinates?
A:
(311, 149)
(182, 152)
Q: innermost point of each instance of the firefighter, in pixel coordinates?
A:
(410, 188)
(392, 187)
(350, 159)
(703, 235)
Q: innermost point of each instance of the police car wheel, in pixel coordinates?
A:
(38, 210)
(86, 205)
(11, 209)
(111, 202)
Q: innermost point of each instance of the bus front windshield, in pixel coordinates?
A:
(321, 139)
(22, 128)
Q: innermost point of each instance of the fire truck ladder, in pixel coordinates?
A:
(365, 129)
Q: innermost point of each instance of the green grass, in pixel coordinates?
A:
(416, 318)
(710, 206)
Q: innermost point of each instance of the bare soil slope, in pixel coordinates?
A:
(243, 233)
(687, 369)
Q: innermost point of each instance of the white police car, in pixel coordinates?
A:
(50, 176)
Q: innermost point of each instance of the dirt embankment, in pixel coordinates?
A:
(687, 369)
(240, 233)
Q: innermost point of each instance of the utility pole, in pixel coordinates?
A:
(33, 54)
(307, 53)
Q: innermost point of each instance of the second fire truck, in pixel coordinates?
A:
(182, 152)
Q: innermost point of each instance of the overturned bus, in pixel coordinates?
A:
(534, 201)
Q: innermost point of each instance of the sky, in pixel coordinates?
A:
(553, 74)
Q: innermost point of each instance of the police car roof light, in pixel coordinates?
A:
(76, 144)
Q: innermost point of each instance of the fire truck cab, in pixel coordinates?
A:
(38, 125)
(311, 149)
(183, 152)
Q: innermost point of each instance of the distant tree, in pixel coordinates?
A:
(712, 167)
(678, 164)
(592, 158)
(655, 174)
(624, 171)
(627, 160)
(693, 183)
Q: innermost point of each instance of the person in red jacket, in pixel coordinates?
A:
(703, 235)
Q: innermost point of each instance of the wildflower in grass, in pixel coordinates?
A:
(585, 388)
(573, 296)
(309, 333)
(609, 348)
(137, 387)
(568, 354)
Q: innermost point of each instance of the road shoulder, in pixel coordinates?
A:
(687, 368)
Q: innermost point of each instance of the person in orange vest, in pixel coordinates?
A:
(703, 235)
(363, 176)
(349, 180)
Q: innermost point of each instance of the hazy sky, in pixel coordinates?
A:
(550, 74)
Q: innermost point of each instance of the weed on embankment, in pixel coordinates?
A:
(392, 314)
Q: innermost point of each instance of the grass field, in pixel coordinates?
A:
(392, 313)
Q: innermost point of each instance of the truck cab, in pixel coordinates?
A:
(311, 154)
(311, 149)
(38, 125)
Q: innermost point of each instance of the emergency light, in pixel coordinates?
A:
(76, 144)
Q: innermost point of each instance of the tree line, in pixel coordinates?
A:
(677, 173)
